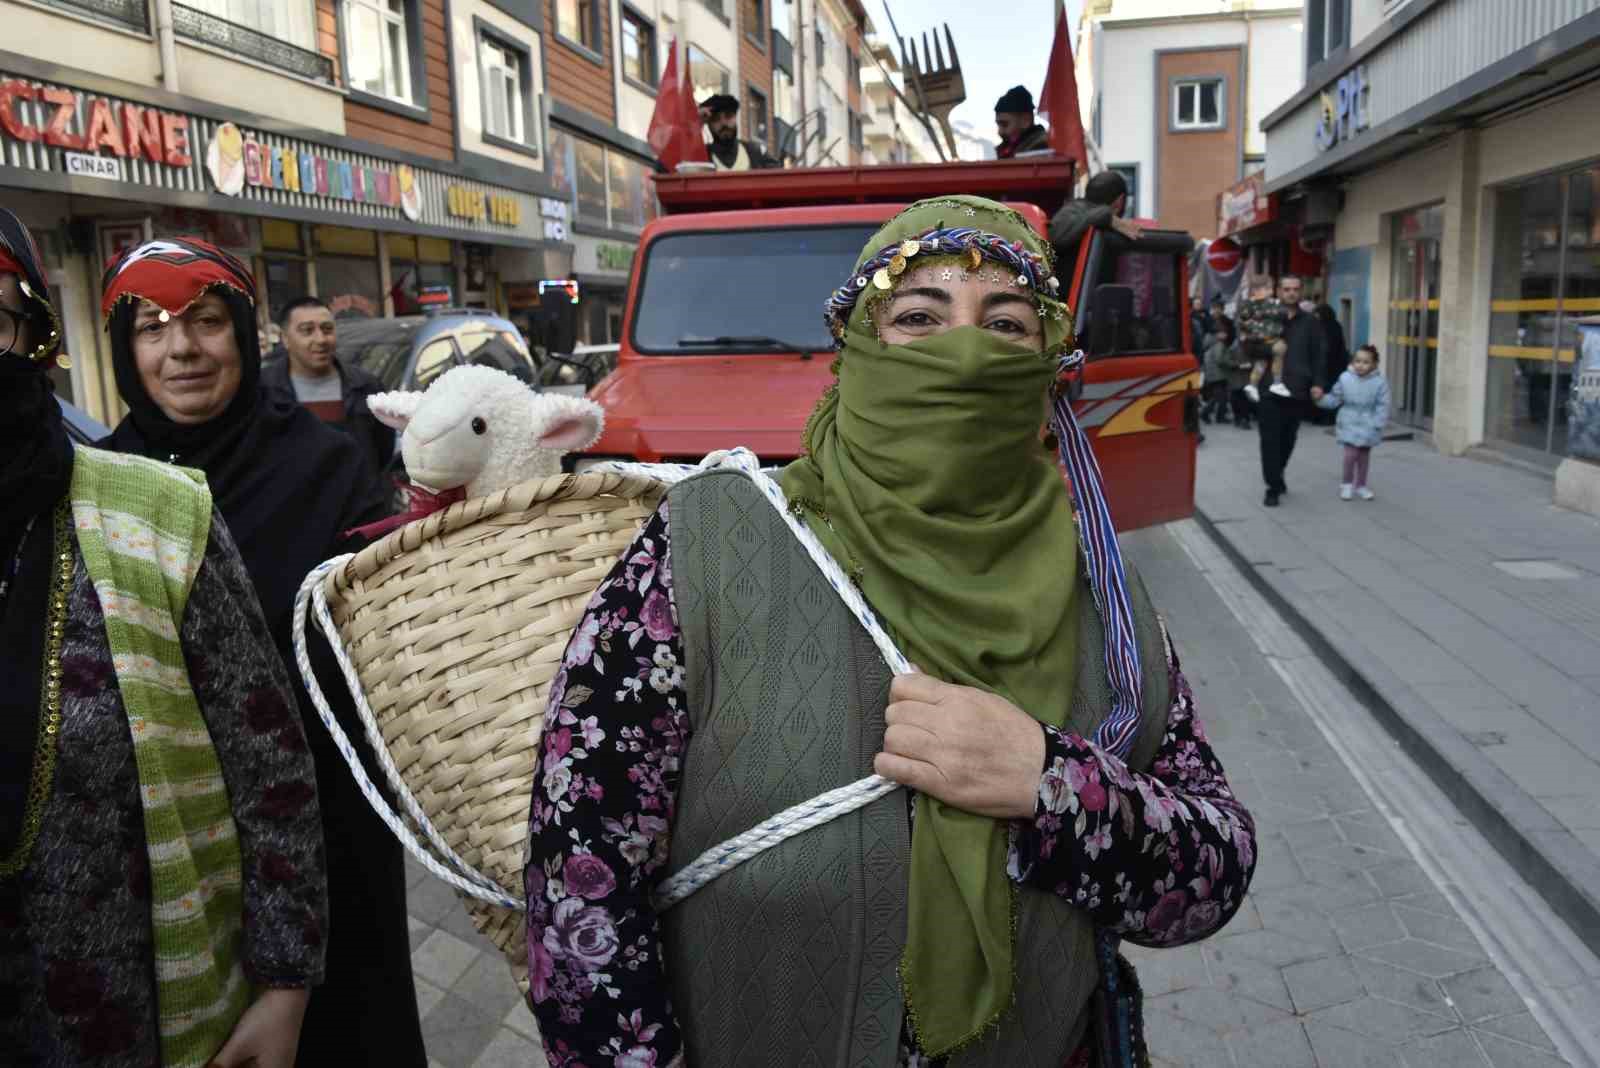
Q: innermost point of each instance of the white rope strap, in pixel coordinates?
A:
(824, 807)
(465, 878)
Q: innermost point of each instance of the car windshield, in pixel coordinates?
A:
(742, 285)
(381, 347)
(499, 350)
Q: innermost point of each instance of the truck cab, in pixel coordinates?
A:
(724, 342)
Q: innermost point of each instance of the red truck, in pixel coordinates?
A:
(723, 340)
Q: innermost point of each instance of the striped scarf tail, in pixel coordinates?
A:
(142, 528)
(1107, 578)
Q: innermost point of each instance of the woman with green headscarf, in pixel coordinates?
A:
(1061, 794)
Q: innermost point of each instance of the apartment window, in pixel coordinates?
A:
(579, 22)
(507, 90)
(1130, 175)
(819, 45)
(1197, 104)
(855, 70)
(638, 48)
(755, 112)
(716, 7)
(294, 21)
(1327, 29)
(753, 18)
(707, 75)
(378, 44)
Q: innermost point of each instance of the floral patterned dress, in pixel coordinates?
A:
(1160, 859)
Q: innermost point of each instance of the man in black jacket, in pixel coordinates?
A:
(311, 375)
(720, 113)
(1104, 199)
(1013, 121)
(1304, 373)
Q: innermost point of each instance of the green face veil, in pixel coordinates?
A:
(926, 479)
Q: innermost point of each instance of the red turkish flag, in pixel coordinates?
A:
(1058, 100)
(674, 131)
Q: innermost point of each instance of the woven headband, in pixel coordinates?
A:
(172, 273)
(879, 272)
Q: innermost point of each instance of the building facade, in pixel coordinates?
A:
(1172, 92)
(1449, 150)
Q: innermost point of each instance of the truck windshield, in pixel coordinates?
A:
(715, 290)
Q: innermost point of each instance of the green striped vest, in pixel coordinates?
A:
(142, 528)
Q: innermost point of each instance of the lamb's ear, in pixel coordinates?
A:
(570, 423)
(394, 409)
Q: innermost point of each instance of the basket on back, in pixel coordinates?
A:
(456, 625)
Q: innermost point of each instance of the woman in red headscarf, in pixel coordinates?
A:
(187, 359)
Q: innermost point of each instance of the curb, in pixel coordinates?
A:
(1560, 868)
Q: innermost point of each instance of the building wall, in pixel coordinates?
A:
(434, 137)
(465, 15)
(577, 78)
(75, 42)
(1191, 166)
(1118, 68)
(208, 73)
(754, 69)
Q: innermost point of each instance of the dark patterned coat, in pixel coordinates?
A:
(77, 981)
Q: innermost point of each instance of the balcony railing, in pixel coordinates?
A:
(134, 14)
(782, 53)
(253, 44)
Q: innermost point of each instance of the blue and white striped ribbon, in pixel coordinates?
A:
(1107, 578)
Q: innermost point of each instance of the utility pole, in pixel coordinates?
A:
(800, 64)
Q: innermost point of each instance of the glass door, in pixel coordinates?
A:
(1413, 360)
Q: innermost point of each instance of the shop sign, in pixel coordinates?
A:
(66, 119)
(1224, 255)
(614, 257)
(236, 159)
(1246, 204)
(1345, 110)
(480, 206)
(554, 212)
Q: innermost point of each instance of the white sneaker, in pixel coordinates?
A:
(1345, 490)
(1278, 389)
(1253, 393)
(1364, 493)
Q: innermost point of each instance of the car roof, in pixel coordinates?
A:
(81, 426)
(419, 329)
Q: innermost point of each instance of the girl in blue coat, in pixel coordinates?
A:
(1362, 397)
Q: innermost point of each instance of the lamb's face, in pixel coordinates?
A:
(452, 437)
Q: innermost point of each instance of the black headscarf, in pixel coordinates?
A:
(286, 485)
(35, 473)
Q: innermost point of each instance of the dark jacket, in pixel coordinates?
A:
(1033, 138)
(1069, 225)
(375, 439)
(1306, 363)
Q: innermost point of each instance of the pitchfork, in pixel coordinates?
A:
(938, 83)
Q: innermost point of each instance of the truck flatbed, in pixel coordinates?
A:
(1043, 180)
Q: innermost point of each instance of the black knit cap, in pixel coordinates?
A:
(1017, 101)
(721, 104)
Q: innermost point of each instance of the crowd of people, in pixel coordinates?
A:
(188, 875)
(1280, 360)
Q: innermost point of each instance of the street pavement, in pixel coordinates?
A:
(1468, 605)
(1355, 945)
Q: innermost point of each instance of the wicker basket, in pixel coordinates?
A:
(456, 625)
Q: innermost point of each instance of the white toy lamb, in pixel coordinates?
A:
(483, 430)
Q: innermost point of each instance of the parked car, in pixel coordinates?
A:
(82, 427)
(410, 351)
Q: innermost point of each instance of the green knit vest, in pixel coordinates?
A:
(142, 528)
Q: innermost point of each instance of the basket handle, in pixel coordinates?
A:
(465, 877)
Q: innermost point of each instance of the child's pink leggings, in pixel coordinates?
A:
(1356, 459)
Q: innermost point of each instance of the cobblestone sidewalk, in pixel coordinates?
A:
(1344, 955)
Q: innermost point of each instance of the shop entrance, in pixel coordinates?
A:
(1412, 362)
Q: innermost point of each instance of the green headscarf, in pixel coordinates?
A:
(925, 477)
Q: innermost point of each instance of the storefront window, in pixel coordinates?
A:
(421, 272)
(591, 160)
(347, 272)
(1413, 359)
(1546, 275)
(607, 187)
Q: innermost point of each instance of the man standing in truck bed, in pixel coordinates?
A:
(728, 152)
